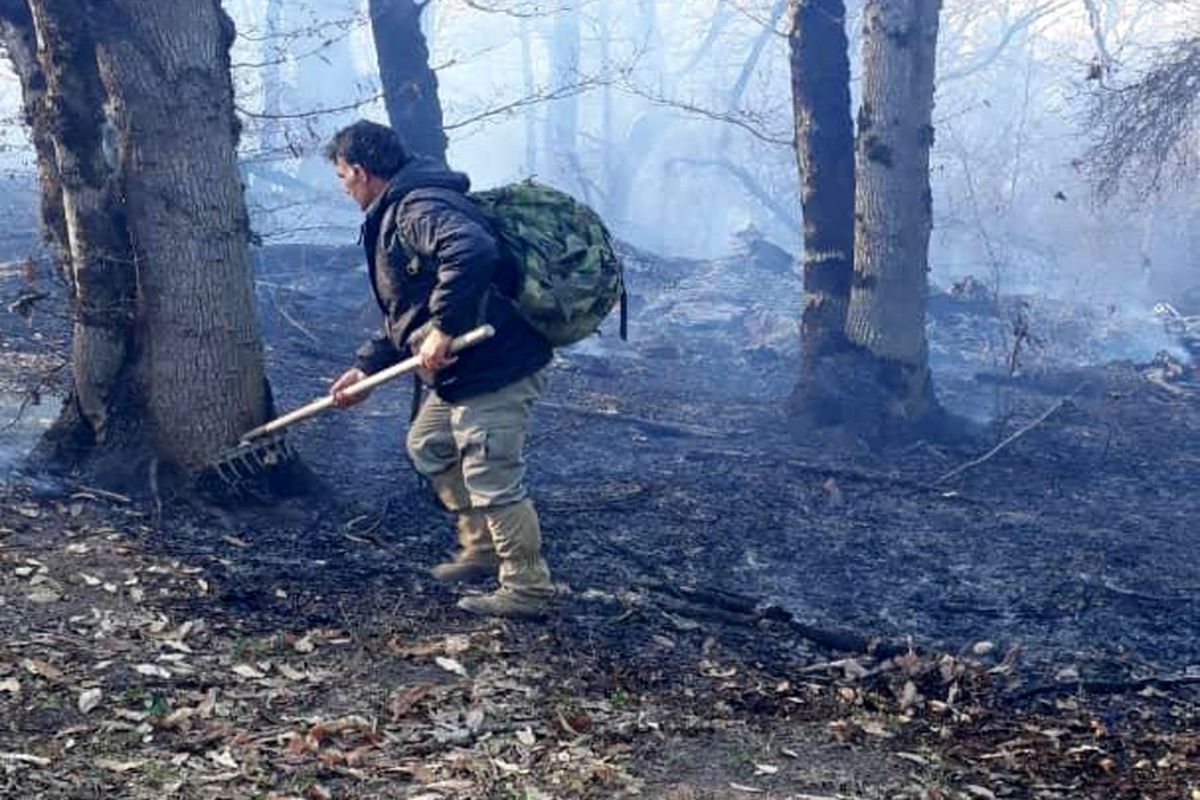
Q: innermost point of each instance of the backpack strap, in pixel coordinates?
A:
(624, 313)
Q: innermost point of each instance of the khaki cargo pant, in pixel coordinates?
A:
(483, 437)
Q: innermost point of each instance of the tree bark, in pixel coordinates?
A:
(167, 72)
(20, 42)
(410, 87)
(820, 70)
(893, 203)
(101, 260)
(166, 356)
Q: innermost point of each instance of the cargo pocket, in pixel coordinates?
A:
(505, 446)
(494, 466)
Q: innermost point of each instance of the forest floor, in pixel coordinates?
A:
(742, 614)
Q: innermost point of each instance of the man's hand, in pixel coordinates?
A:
(435, 351)
(348, 379)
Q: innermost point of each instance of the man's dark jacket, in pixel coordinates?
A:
(432, 257)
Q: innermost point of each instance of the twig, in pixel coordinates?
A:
(747, 611)
(989, 455)
(84, 491)
(33, 396)
(283, 312)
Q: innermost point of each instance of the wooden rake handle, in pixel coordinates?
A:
(365, 385)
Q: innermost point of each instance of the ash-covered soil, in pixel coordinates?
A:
(667, 459)
(715, 568)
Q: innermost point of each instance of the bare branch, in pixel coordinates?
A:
(751, 123)
(541, 96)
(524, 9)
(315, 112)
(1023, 23)
(1145, 125)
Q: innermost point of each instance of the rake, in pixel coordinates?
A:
(263, 449)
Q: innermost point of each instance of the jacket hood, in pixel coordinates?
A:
(424, 173)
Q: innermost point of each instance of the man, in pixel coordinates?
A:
(435, 268)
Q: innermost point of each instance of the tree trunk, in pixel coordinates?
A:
(893, 204)
(273, 130)
(820, 69)
(410, 88)
(20, 42)
(562, 121)
(99, 412)
(167, 361)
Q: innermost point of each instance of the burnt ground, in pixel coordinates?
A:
(1033, 618)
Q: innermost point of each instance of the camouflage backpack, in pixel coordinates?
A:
(570, 276)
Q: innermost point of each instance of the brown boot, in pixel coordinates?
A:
(525, 588)
(476, 558)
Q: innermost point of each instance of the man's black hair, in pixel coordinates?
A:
(374, 147)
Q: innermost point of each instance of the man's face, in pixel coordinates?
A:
(358, 183)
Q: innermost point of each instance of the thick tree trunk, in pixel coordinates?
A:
(100, 411)
(894, 202)
(166, 68)
(410, 88)
(820, 69)
(167, 361)
(20, 42)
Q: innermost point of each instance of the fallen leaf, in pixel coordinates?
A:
(48, 671)
(43, 595)
(177, 719)
(224, 758)
(118, 766)
(451, 665)
(25, 758)
(247, 671)
(152, 671)
(456, 644)
(10, 685)
(508, 767)
(289, 672)
(876, 728)
(403, 700)
(915, 758)
(89, 699)
(525, 736)
(737, 787)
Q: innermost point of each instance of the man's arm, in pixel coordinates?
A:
(464, 252)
